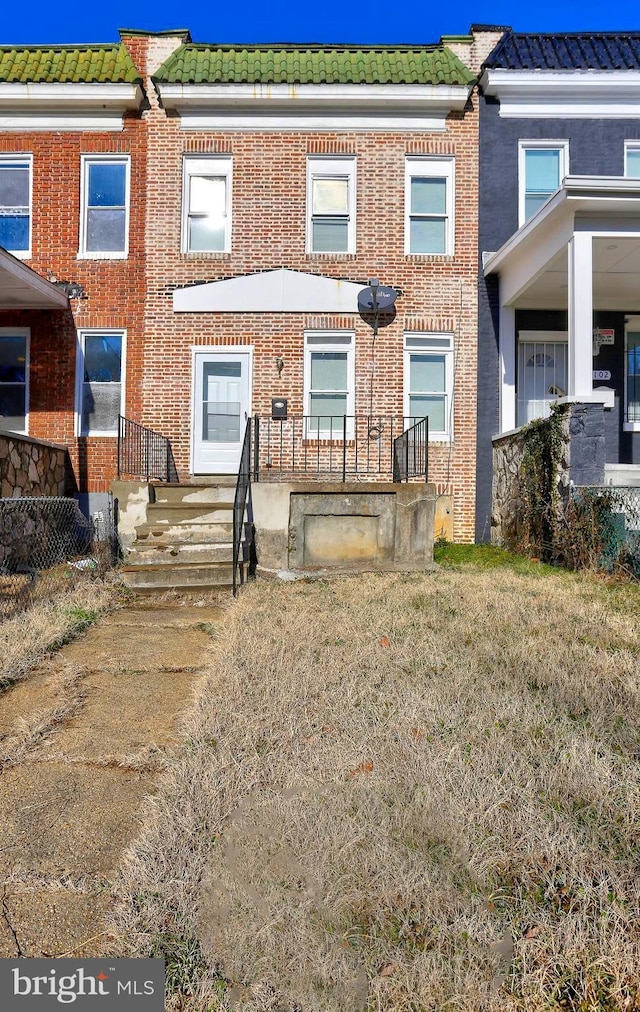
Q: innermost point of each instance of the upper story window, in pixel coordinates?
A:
(542, 165)
(104, 214)
(206, 205)
(15, 204)
(429, 204)
(428, 382)
(14, 378)
(331, 204)
(99, 391)
(632, 159)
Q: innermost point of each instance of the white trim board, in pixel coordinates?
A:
(279, 291)
(574, 94)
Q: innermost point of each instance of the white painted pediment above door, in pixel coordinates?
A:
(278, 291)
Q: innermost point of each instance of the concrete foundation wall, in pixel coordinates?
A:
(312, 524)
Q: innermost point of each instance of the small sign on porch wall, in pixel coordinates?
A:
(601, 374)
(602, 336)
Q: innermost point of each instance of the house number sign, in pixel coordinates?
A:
(601, 374)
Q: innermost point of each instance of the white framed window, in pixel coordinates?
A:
(329, 383)
(206, 204)
(16, 187)
(14, 379)
(331, 205)
(542, 165)
(104, 206)
(543, 358)
(99, 381)
(632, 159)
(428, 382)
(429, 206)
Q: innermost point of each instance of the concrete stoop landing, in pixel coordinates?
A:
(186, 540)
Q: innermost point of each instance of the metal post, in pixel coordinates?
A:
(344, 448)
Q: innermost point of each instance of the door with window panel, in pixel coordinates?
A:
(220, 411)
(542, 374)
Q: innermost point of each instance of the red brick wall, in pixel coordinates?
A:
(269, 220)
(114, 288)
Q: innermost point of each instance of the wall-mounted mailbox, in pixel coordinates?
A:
(278, 407)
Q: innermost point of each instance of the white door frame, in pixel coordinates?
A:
(241, 350)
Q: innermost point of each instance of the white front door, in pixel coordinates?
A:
(221, 406)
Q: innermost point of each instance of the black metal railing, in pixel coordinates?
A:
(242, 525)
(411, 452)
(328, 447)
(143, 453)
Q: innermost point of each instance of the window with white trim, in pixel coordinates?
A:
(428, 382)
(632, 372)
(14, 379)
(542, 165)
(632, 159)
(15, 204)
(331, 205)
(206, 205)
(100, 387)
(329, 383)
(104, 206)
(429, 206)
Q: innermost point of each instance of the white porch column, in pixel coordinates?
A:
(507, 368)
(580, 253)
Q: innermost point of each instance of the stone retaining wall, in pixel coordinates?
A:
(30, 467)
(582, 460)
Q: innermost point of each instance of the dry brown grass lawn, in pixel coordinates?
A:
(403, 793)
(27, 637)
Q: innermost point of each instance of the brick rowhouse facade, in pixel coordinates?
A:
(269, 197)
(113, 289)
(439, 293)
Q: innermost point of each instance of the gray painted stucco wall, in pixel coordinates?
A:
(596, 147)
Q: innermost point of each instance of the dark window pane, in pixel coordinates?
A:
(13, 359)
(107, 183)
(102, 358)
(14, 232)
(12, 407)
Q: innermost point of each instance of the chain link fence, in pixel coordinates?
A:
(618, 525)
(47, 545)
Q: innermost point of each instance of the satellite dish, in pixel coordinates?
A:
(385, 297)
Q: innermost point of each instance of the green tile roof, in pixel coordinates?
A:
(109, 64)
(200, 64)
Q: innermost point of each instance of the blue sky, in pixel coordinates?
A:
(48, 21)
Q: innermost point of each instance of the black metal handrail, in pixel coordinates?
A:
(242, 503)
(330, 447)
(411, 452)
(143, 453)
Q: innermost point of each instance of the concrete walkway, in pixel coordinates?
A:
(82, 741)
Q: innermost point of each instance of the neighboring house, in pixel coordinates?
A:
(559, 220)
(72, 234)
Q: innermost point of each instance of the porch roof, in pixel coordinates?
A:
(533, 263)
(22, 288)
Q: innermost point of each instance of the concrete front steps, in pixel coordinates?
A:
(186, 541)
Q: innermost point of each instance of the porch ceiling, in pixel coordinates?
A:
(22, 288)
(616, 278)
(533, 263)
